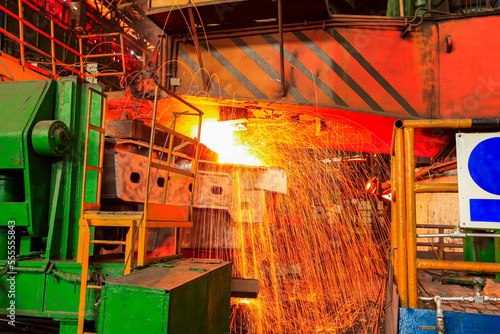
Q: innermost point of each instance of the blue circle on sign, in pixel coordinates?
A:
(484, 165)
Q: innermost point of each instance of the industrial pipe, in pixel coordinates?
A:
(405, 189)
(411, 216)
(457, 233)
(478, 299)
(436, 187)
(461, 299)
(450, 123)
(394, 222)
(439, 315)
(338, 21)
(483, 267)
(402, 267)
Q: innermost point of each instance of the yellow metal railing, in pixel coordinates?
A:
(404, 225)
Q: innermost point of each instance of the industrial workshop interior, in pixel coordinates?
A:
(249, 166)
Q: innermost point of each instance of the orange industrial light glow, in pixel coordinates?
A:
(387, 196)
(221, 138)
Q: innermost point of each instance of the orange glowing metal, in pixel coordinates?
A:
(222, 138)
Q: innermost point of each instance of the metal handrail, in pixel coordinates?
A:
(141, 255)
(79, 54)
(404, 226)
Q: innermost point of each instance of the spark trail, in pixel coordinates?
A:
(318, 249)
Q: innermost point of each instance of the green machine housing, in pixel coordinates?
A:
(185, 296)
(42, 140)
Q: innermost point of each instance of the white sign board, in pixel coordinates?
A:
(478, 159)
(91, 68)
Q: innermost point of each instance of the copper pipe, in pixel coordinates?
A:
(401, 219)
(436, 187)
(438, 123)
(401, 8)
(483, 267)
(411, 216)
(394, 222)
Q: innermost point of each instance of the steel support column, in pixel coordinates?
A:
(402, 267)
(411, 216)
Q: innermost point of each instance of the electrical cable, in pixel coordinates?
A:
(14, 79)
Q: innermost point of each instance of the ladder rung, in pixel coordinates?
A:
(111, 223)
(112, 216)
(108, 242)
(174, 133)
(95, 169)
(95, 287)
(96, 128)
(171, 169)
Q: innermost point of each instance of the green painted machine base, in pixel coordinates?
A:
(186, 297)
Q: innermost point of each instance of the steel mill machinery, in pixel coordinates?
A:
(96, 211)
(56, 221)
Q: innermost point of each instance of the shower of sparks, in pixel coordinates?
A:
(319, 251)
(315, 251)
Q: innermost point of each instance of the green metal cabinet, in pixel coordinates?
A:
(182, 297)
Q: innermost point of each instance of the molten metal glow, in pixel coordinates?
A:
(223, 138)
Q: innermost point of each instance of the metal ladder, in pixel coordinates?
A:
(90, 214)
(154, 215)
